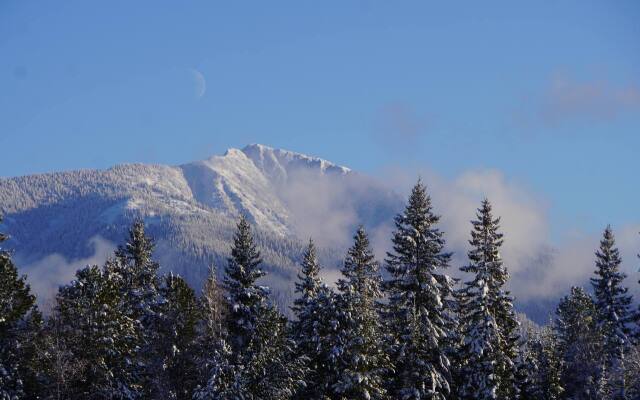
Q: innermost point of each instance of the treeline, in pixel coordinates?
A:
(122, 331)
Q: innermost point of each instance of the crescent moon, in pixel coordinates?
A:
(200, 83)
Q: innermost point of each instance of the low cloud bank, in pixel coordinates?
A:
(328, 208)
(52, 271)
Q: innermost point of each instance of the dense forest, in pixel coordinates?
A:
(411, 331)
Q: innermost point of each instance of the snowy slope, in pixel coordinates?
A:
(190, 209)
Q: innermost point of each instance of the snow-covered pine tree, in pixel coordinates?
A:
(100, 338)
(361, 360)
(614, 311)
(314, 328)
(637, 332)
(246, 298)
(480, 335)
(216, 373)
(177, 339)
(307, 289)
(259, 352)
(323, 323)
(139, 285)
(419, 313)
(275, 371)
(544, 368)
(309, 281)
(493, 307)
(20, 326)
(579, 342)
(632, 371)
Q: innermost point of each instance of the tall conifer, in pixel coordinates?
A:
(361, 360)
(488, 303)
(614, 311)
(419, 311)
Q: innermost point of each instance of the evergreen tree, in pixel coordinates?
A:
(246, 298)
(322, 322)
(580, 345)
(141, 300)
(614, 311)
(275, 371)
(419, 312)
(177, 339)
(487, 308)
(214, 353)
(314, 328)
(480, 334)
(632, 367)
(361, 361)
(309, 281)
(20, 329)
(260, 355)
(306, 313)
(100, 338)
(637, 318)
(543, 363)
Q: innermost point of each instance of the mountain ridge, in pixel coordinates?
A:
(190, 209)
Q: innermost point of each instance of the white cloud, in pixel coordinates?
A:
(539, 268)
(50, 272)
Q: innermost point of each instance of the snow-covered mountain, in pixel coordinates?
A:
(191, 211)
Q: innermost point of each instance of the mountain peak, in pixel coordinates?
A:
(277, 164)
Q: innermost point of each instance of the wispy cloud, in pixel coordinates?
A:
(399, 126)
(50, 272)
(540, 268)
(566, 99)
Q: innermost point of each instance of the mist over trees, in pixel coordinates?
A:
(403, 329)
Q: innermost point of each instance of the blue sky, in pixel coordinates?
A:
(548, 93)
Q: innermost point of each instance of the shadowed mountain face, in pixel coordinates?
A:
(60, 221)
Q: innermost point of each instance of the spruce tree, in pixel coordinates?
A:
(303, 327)
(361, 360)
(100, 338)
(141, 300)
(637, 318)
(419, 312)
(216, 373)
(322, 321)
(545, 368)
(486, 304)
(260, 354)
(309, 281)
(579, 342)
(246, 298)
(614, 311)
(314, 328)
(20, 332)
(275, 371)
(177, 339)
(481, 337)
